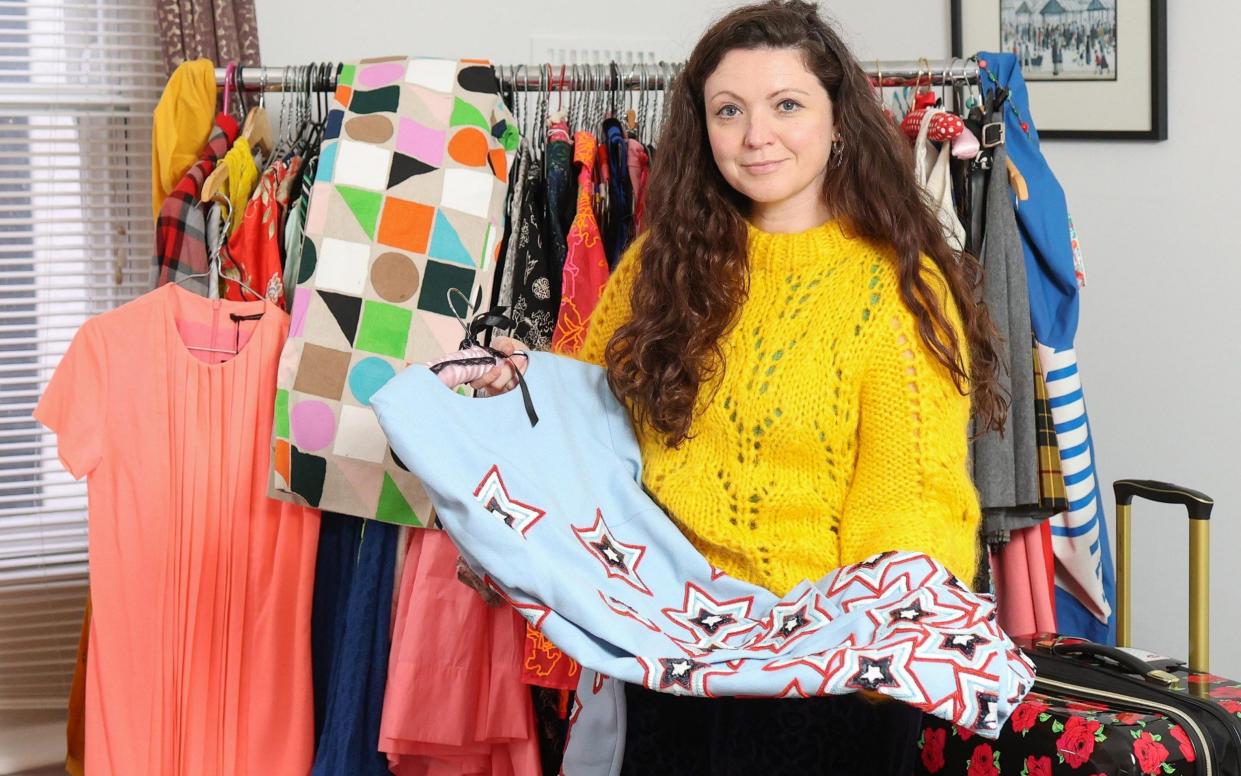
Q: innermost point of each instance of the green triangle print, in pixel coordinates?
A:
(446, 243)
(364, 205)
(393, 508)
(465, 114)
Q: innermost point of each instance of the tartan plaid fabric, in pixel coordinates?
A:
(180, 229)
(1052, 495)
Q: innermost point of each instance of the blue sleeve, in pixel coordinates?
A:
(1043, 218)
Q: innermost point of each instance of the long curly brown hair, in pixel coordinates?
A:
(693, 274)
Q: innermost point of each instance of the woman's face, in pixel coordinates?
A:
(769, 120)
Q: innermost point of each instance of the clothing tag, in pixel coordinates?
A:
(1152, 659)
(237, 319)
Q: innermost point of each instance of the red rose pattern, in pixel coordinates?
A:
(1076, 743)
(982, 763)
(1039, 767)
(964, 734)
(1204, 678)
(1086, 706)
(1187, 749)
(1026, 714)
(1232, 707)
(933, 749)
(1128, 717)
(1150, 753)
(1231, 691)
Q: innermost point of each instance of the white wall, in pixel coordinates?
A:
(1158, 342)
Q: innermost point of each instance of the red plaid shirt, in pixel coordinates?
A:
(181, 228)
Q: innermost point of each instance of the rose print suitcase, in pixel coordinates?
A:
(1113, 710)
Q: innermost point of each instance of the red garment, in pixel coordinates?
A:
(455, 704)
(254, 251)
(639, 162)
(1024, 577)
(544, 665)
(586, 265)
(181, 227)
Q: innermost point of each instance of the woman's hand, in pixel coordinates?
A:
(467, 577)
(501, 377)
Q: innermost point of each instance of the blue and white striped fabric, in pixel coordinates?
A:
(554, 518)
(1078, 536)
(1085, 579)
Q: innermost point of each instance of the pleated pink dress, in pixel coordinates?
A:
(199, 658)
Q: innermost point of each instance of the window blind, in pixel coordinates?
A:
(78, 82)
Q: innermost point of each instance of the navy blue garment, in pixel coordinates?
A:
(349, 740)
(561, 204)
(618, 218)
(838, 735)
(338, 546)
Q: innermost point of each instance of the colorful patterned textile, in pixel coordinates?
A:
(1085, 578)
(407, 204)
(180, 229)
(254, 256)
(586, 265)
(1050, 475)
(555, 519)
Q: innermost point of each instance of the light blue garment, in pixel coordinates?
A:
(1079, 536)
(555, 518)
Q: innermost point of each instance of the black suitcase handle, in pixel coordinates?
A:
(1127, 662)
(1198, 504)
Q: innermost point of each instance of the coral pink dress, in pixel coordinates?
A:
(455, 704)
(199, 659)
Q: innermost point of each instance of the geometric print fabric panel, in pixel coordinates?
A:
(406, 210)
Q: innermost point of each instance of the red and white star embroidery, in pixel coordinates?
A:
(494, 497)
(826, 664)
(625, 610)
(534, 613)
(680, 675)
(619, 560)
(790, 621)
(886, 667)
(711, 623)
(882, 576)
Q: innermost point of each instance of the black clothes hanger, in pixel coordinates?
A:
(485, 323)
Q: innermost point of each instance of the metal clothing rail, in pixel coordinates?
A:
(600, 77)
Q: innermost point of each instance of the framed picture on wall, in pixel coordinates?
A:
(1096, 69)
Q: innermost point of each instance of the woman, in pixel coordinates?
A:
(798, 347)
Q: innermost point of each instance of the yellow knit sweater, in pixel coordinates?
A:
(834, 434)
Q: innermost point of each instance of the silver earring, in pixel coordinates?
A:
(838, 152)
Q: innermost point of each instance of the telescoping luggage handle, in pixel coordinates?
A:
(1199, 507)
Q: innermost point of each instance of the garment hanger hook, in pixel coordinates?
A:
(468, 308)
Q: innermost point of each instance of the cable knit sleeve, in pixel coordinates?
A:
(613, 309)
(911, 488)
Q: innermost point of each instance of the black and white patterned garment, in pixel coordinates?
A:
(535, 302)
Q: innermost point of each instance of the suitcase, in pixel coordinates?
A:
(1112, 710)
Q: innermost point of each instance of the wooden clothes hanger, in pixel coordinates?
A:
(256, 130)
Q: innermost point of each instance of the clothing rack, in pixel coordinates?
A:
(611, 76)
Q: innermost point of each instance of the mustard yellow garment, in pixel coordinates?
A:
(243, 175)
(834, 434)
(182, 123)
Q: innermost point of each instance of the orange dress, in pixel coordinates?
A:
(199, 658)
